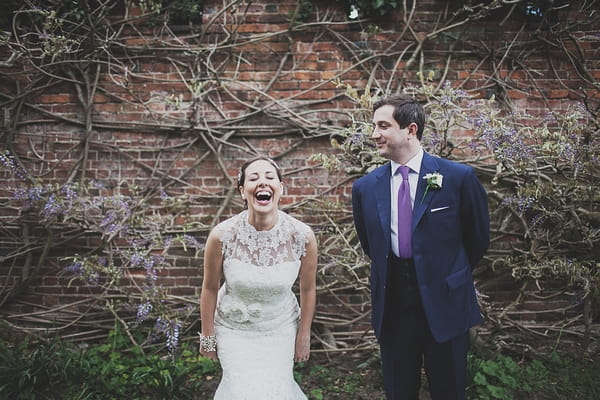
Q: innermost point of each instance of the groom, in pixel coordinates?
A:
(423, 221)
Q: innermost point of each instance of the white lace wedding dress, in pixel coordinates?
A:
(257, 312)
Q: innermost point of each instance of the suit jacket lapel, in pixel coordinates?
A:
(428, 165)
(383, 198)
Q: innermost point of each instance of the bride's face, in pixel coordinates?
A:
(262, 188)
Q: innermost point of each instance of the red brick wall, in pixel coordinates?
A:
(271, 92)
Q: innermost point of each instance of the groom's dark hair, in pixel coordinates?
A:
(406, 111)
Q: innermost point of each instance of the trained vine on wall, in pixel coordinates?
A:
(110, 237)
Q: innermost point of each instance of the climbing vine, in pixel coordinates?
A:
(111, 237)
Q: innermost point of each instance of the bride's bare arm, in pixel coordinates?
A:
(308, 298)
(213, 271)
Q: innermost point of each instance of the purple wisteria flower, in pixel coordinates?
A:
(31, 196)
(521, 203)
(151, 272)
(537, 221)
(357, 138)
(53, 207)
(171, 329)
(96, 184)
(506, 143)
(75, 269)
(173, 335)
(137, 259)
(140, 258)
(160, 326)
(110, 223)
(70, 193)
(142, 312)
(85, 271)
(115, 218)
(191, 241)
(8, 161)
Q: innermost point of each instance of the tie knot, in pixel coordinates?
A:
(403, 170)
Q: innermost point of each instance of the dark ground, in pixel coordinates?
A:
(339, 375)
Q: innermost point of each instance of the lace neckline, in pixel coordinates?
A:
(284, 242)
(246, 215)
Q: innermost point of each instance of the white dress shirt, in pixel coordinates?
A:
(413, 179)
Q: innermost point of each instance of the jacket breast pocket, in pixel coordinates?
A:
(443, 218)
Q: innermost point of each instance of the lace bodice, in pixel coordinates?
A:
(260, 268)
(286, 241)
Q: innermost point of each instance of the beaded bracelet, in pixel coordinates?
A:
(208, 343)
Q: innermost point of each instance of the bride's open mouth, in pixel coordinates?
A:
(263, 197)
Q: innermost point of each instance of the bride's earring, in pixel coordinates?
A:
(243, 197)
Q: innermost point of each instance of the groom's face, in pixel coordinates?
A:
(391, 140)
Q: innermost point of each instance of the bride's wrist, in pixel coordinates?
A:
(303, 335)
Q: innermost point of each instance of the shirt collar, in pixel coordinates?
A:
(414, 163)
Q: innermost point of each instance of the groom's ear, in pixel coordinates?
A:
(413, 129)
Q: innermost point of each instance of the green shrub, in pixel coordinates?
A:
(30, 371)
(553, 377)
(114, 370)
(573, 378)
(499, 378)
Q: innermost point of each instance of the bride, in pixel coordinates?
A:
(253, 323)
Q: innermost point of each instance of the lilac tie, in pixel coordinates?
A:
(404, 215)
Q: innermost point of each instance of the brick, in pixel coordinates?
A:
(57, 98)
(307, 75)
(517, 94)
(558, 94)
(106, 108)
(182, 291)
(313, 61)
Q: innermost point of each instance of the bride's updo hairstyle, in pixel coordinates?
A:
(241, 178)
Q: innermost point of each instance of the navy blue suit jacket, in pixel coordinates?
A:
(450, 234)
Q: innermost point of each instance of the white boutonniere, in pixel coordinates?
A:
(434, 182)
